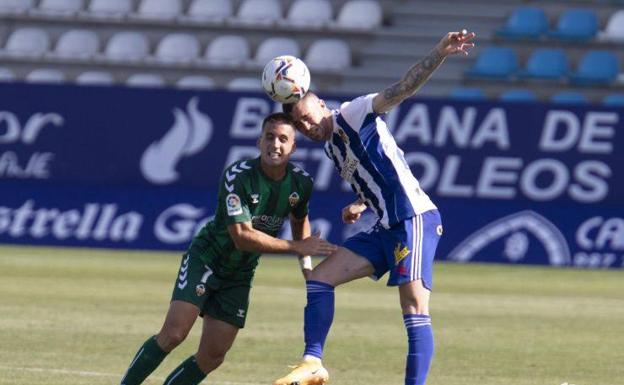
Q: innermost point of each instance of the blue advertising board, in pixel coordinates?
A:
(137, 168)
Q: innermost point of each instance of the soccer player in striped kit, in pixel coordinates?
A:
(409, 227)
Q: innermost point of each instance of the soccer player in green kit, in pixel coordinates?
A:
(214, 280)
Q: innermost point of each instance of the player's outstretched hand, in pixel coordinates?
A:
(456, 42)
(353, 212)
(314, 245)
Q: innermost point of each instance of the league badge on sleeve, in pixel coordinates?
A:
(233, 204)
(293, 199)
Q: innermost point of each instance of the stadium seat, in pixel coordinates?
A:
(110, 9)
(259, 12)
(518, 95)
(196, 82)
(569, 97)
(158, 9)
(16, 7)
(597, 67)
(309, 13)
(495, 63)
(95, 78)
(320, 50)
(178, 47)
(614, 30)
(77, 44)
(467, 93)
(209, 11)
(276, 46)
(45, 75)
(525, 23)
(145, 80)
(614, 100)
(228, 50)
(59, 7)
(360, 14)
(127, 46)
(6, 75)
(576, 24)
(546, 63)
(245, 84)
(30, 42)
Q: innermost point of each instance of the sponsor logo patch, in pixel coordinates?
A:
(200, 290)
(293, 199)
(233, 204)
(255, 198)
(400, 252)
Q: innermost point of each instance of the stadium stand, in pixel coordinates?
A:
(177, 48)
(59, 8)
(468, 93)
(525, 23)
(259, 12)
(495, 63)
(309, 13)
(228, 50)
(596, 67)
(109, 9)
(360, 14)
(145, 80)
(518, 95)
(614, 100)
(31, 42)
(576, 24)
(212, 11)
(158, 9)
(95, 78)
(614, 31)
(276, 46)
(196, 82)
(546, 63)
(320, 50)
(127, 46)
(45, 75)
(6, 75)
(77, 44)
(245, 84)
(569, 97)
(15, 7)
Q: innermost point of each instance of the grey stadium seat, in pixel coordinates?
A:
(245, 84)
(127, 46)
(158, 9)
(614, 31)
(95, 78)
(6, 75)
(77, 44)
(145, 80)
(309, 13)
(328, 54)
(276, 46)
(16, 7)
(45, 75)
(360, 14)
(64, 8)
(259, 12)
(209, 11)
(196, 82)
(29, 42)
(228, 50)
(110, 9)
(177, 47)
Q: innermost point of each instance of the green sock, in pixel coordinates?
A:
(188, 373)
(147, 359)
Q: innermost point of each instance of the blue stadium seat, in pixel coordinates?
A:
(576, 24)
(518, 95)
(495, 63)
(569, 97)
(614, 100)
(468, 93)
(546, 63)
(597, 67)
(525, 23)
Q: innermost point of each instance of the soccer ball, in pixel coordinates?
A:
(286, 79)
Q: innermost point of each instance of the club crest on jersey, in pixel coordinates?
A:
(233, 205)
(200, 290)
(255, 198)
(293, 199)
(439, 230)
(400, 252)
(343, 136)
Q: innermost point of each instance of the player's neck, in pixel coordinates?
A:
(275, 173)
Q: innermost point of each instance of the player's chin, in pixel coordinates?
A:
(274, 161)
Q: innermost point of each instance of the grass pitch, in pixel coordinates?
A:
(77, 316)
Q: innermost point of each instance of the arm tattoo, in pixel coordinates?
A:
(413, 79)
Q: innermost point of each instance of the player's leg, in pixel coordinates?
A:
(413, 274)
(183, 311)
(217, 338)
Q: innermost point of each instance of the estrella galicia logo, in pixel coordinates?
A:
(510, 239)
(189, 134)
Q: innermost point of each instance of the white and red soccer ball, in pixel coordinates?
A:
(286, 79)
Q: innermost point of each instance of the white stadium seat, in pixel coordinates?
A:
(59, 7)
(328, 54)
(228, 50)
(31, 42)
(614, 30)
(159, 9)
(77, 44)
(196, 82)
(45, 75)
(6, 75)
(360, 14)
(145, 80)
(309, 13)
(259, 12)
(95, 78)
(209, 10)
(178, 47)
(110, 9)
(15, 7)
(276, 46)
(245, 84)
(127, 46)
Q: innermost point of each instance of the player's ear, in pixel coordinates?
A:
(258, 141)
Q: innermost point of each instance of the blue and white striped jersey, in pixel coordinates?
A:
(367, 156)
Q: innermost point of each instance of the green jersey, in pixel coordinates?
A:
(246, 194)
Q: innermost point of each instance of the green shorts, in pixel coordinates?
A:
(223, 299)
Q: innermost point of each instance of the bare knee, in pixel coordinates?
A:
(412, 305)
(209, 361)
(169, 338)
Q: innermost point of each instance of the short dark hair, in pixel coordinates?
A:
(288, 107)
(279, 117)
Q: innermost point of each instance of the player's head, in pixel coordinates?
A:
(313, 118)
(277, 140)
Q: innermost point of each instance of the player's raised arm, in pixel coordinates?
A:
(415, 77)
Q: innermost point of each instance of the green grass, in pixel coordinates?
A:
(77, 316)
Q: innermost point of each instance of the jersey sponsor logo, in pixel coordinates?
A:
(233, 205)
(343, 136)
(293, 199)
(400, 252)
(255, 198)
(190, 133)
(268, 223)
(348, 168)
(508, 237)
